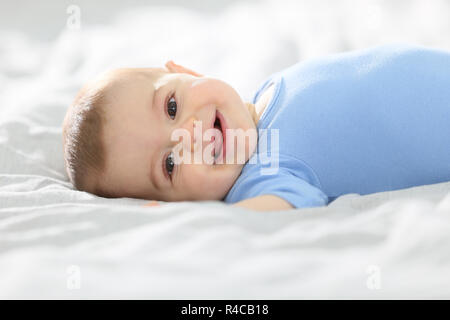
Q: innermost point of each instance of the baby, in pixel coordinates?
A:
(357, 122)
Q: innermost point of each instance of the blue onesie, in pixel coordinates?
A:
(356, 122)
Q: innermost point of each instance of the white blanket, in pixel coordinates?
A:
(56, 242)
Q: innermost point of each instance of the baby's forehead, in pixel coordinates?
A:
(118, 82)
(128, 87)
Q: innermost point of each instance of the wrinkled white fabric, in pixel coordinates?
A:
(56, 242)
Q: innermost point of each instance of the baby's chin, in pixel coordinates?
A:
(229, 175)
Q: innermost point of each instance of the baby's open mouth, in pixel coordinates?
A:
(217, 124)
(219, 143)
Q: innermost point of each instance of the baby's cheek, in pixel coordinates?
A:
(198, 181)
(206, 182)
(196, 176)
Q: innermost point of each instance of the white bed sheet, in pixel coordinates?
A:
(56, 242)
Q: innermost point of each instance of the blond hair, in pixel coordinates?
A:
(83, 147)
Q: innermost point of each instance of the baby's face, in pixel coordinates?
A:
(150, 105)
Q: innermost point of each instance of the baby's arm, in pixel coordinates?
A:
(265, 203)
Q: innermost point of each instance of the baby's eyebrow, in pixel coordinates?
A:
(152, 100)
(152, 174)
(156, 85)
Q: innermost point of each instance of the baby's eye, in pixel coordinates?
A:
(172, 108)
(169, 164)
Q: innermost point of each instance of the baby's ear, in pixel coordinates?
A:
(176, 68)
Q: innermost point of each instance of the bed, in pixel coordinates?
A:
(56, 242)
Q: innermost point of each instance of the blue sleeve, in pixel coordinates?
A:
(285, 185)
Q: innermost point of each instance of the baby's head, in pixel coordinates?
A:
(118, 135)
